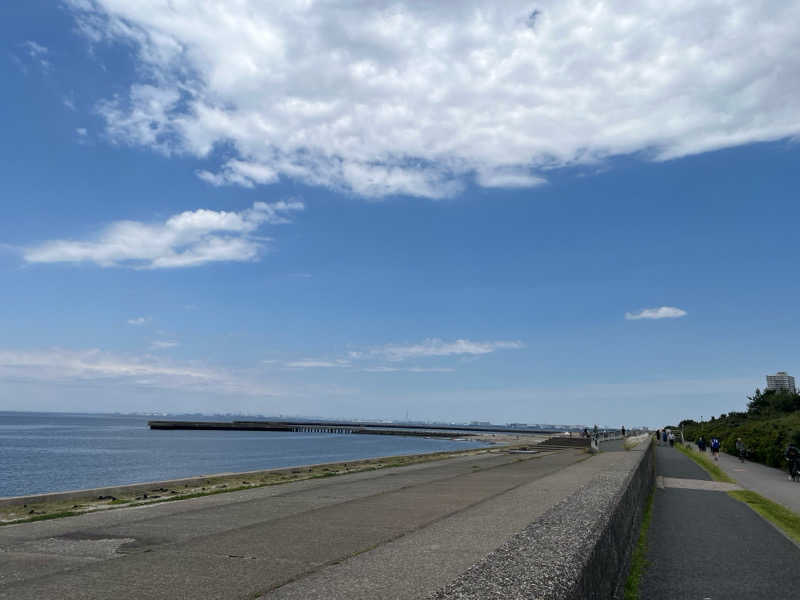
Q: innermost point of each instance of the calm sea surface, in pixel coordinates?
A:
(56, 452)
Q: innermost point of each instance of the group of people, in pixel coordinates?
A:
(665, 436)
(792, 454)
(703, 445)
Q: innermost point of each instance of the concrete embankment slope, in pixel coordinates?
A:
(395, 533)
(580, 548)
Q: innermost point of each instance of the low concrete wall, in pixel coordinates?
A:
(580, 549)
(607, 568)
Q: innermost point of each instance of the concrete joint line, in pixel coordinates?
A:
(695, 484)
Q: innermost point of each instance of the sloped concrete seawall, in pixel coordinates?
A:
(579, 549)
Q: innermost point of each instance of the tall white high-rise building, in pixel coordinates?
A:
(781, 381)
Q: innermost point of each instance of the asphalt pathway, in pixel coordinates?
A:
(707, 545)
(771, 483)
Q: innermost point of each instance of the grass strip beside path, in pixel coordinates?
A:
(780, 516)
(639, 559)
(706, 463)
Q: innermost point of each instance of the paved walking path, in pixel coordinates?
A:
(612, 446)
(705, 544)
(770, 483)
(397, 533)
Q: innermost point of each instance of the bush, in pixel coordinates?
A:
(771, 422)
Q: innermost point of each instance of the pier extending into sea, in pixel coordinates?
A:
(348, 427)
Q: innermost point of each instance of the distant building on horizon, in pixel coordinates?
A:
(782, 382)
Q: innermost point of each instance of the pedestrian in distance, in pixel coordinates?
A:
(665, 436)
(740, 449)
(658, 436)
(715, 448)
(671, 439)
(623, 431)
(792, 455)
(701, 444)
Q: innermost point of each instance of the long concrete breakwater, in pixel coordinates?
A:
(299, 427)
(363, 427)
(458, 527)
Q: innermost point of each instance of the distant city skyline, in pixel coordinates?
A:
(508, 215)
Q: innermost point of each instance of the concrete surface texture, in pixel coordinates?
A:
(707, 545)
(395, 533)
(578, 549)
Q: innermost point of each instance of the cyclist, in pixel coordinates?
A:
(740, 449)
(793, 457)
(715, 447)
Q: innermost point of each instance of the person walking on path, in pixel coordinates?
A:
(658, 436)
(671, 439)
(715, 448)
(792, 456)
(707, 544)
(740, 449)
(665, 436)
(770, 482)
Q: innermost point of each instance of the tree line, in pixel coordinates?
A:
(770, 423)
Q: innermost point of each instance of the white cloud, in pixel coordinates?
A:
(419, 98)
(81, 131)
(62, 365)
(311, 363)
(56, 363)
(662, 312)
(138, 320)
(434, 347)
(187, 239)
(38, 53)
(385, 369)
(164, 344)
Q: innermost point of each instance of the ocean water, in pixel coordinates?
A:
(56, 452)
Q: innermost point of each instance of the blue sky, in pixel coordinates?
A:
(205, 211)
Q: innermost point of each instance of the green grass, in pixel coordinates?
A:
(716, 473)
(765, 434)
(639, 559)
(778, 515)
(46, 517)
